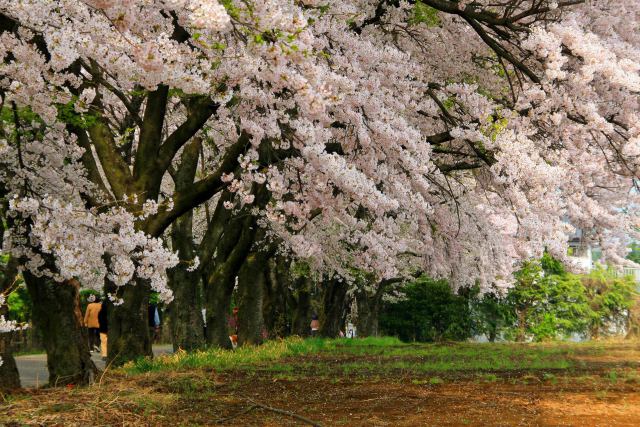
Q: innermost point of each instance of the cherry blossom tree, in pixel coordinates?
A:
(450, 137)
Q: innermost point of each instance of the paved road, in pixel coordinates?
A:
(33, 368)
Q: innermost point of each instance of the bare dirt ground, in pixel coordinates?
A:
(603, 389)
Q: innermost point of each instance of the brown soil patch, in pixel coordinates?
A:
(204, 398)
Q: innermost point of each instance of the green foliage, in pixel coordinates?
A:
(232, 10)
(423, 14)
(19, 304)
(550, 265)
(68, 114)
(491, 314)
(548, 303)
(610, 298)
(634, 255)
(430, 312)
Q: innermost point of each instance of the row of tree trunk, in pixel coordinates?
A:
(234, 251)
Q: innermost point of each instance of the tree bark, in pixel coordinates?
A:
(251, 283)
(57, 315)
(368, 310)
(231, 249)
(334, 298)
(231, 252)
(218, 305)
(9, 376)
(185, 311)
(185, 318)
(129, 337)
(274, 305)
(301, 318)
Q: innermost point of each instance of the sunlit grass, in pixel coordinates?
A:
(376, 355)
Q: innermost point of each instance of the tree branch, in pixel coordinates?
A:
(201, 111)
(199, 191)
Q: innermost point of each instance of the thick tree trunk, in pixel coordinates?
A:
(251, 282)
(335, 293)
(367, 320)
(129, 337)
(9, 377)
(232, 248)
(57, 315)
(301, 318)
(274, 305)
(185, 311)
(218, 305)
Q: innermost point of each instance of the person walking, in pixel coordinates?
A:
(154, 323)
(315, 325)
(103, 317)
(92, 323)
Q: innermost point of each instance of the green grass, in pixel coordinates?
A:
(374, 356)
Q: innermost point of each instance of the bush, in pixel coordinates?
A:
(429, 312)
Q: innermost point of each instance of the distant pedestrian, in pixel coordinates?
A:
(92, 323)
(315, 325)
(103, 319)
(232, 323)
(154, 323)
(204, 321)
(235, 319)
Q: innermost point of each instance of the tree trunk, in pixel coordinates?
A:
(334, 298)
(231, 251)
(522, 324)
(9, 376)
(185, 318)
(633, 320)
(274, 305)
(301, 317)
(185, 312)
(594, 331)
(218, 304)
(251, 282)
(368, 310)
(129, 337)
(57, 315)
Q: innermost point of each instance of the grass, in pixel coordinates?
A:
(370, 356)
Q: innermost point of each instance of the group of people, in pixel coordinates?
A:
(97, 324)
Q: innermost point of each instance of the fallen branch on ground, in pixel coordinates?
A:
(255, 405)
